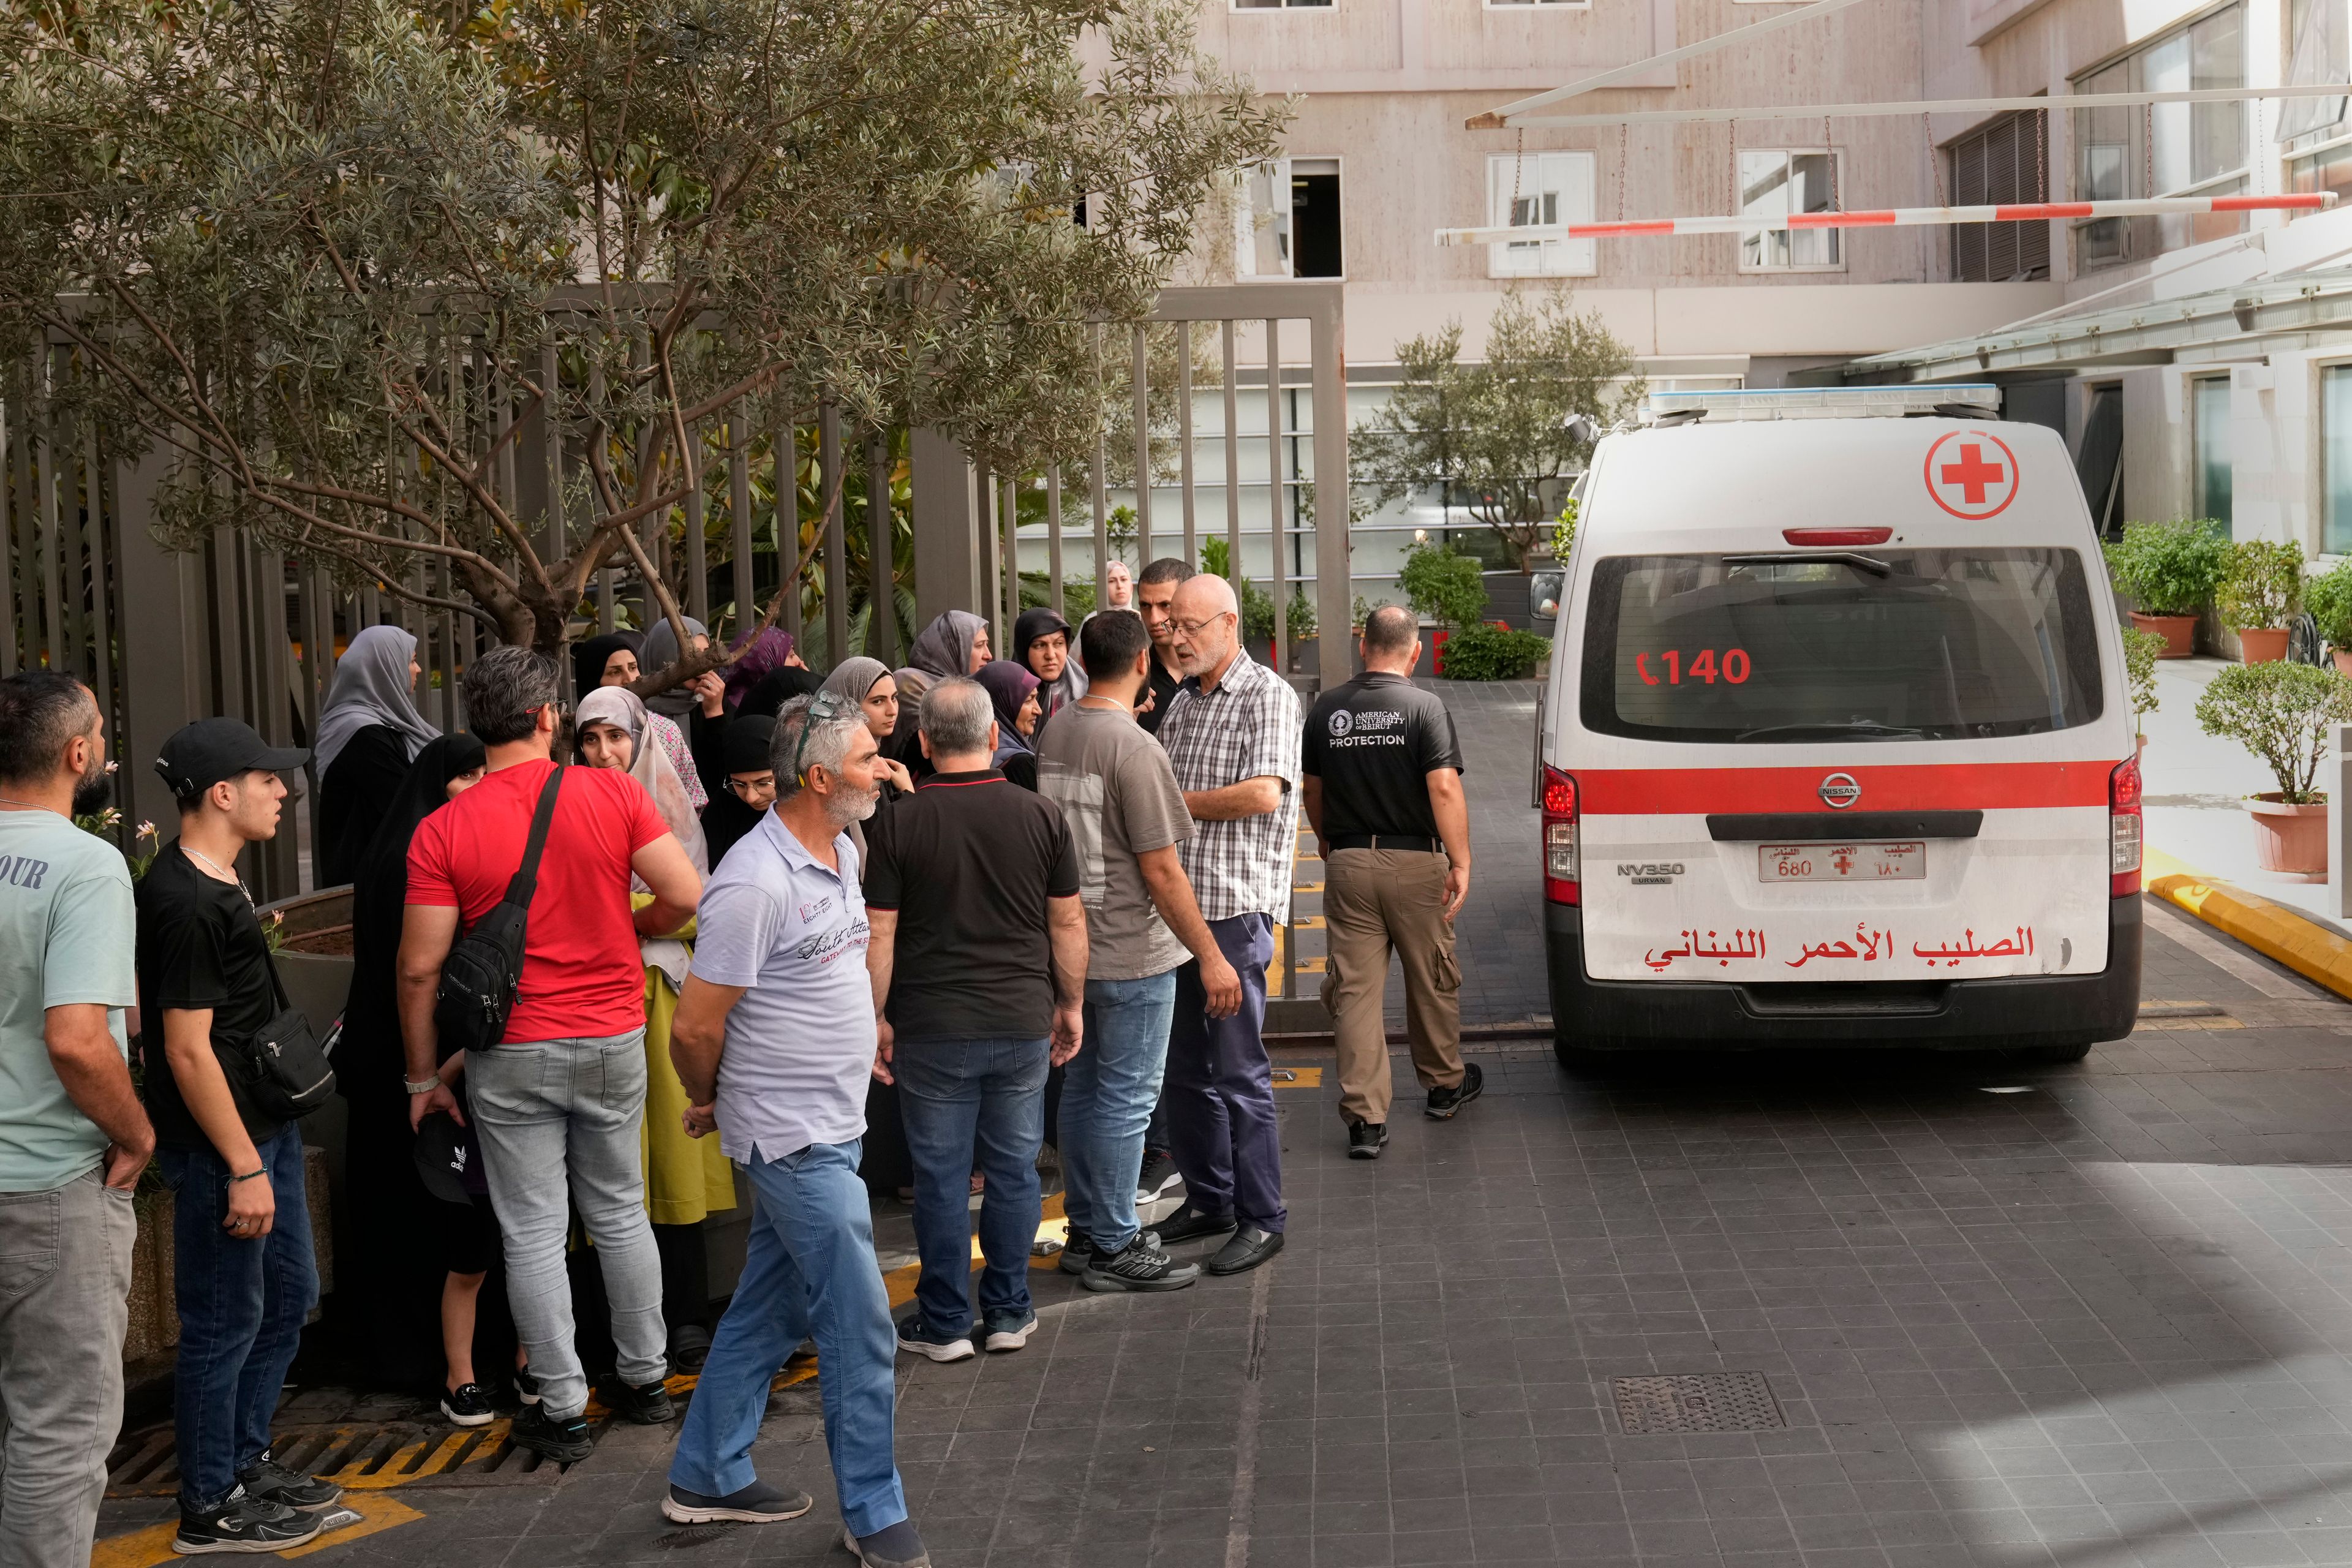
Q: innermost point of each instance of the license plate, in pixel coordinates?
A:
(1905, 862)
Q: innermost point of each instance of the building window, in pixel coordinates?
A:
(2209, 418)
(1775, 182)
(1540, 188)
(2165, 149)
(2005, 162)
(1546, 5)
(1281, 5)
(1286, 220)
(2311, 129)
(2335, 459)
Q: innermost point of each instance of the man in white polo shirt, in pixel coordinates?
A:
(774, 1040)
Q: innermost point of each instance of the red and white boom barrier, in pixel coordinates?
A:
(1885, 218)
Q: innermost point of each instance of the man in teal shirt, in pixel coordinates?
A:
(73, 1137)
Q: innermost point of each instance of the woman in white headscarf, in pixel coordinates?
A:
(368, 732)
(686, 1178)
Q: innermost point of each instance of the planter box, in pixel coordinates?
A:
(2262, 645)
(2290, 840)
(2179, 632)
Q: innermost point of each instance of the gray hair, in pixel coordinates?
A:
(956, 717)
(505, 688)
(41, 712)
(828, 744)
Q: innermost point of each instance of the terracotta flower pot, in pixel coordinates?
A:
(2290, 840)
(2262, 645)
(2179, 632)
(2343, 660)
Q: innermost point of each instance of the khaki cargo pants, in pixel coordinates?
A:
(1373, 900)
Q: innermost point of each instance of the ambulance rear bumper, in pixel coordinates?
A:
(2028, 1010)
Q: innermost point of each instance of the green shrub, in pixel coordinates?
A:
(1257, 604)
(1448, 588)
(1484, 652)
(2141, 650)
(1563, 530)
(2263, 587)
(2170, 568)
(2279, 711)
(2328, 597)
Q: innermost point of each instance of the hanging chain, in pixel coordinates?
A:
(2148, 147)
(1518, 162)
(1829, 150)
(2041, 155)
(1935, 158)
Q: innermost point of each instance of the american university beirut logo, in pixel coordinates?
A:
(1341, 723)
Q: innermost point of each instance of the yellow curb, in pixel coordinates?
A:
(149, 1547)
(2303, 944)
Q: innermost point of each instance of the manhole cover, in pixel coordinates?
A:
(1697, 1402)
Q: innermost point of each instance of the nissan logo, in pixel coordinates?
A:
(1839, 791)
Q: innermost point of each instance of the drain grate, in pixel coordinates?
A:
(363, 1455)
(1698, 1401)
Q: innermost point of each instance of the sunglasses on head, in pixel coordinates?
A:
(824, 708)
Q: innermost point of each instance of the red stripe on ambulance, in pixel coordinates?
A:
(1982, 787)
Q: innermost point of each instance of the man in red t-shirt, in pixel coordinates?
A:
(562, 1095)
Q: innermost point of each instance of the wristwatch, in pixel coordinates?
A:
(424, 1086)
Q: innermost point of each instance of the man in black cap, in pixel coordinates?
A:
(242, 1271)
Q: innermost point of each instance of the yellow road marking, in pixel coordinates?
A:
(1308, 1078)
(1307, 922)
(147, 1548)
(1051, 1225)
(2300, 944)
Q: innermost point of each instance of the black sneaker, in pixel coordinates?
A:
(1445, 1103)
(1367, 1139)
(1008, 1331)
(758, 1503)
(565, 1442)
(272, 1482)
(920, 1338)
(1078, 1254)
(1189, 1223)
(467, 1406)
(526, 1385)
(1159, 1177)
(243, 1523)
(1139, 1266)
(648, 1405)
(895, 1546)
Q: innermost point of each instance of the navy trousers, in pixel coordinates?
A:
(1219, 1094)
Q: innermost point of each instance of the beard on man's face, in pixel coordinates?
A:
(845, 805)
(95, 788)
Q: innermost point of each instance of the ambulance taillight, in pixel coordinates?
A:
(1559, 837)
(2124, 829)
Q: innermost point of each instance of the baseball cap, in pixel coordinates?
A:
(446, 1161)
(201, 755)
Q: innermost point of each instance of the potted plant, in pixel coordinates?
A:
(2281, 712)
(2261, 593)
(2170, 570)
(2141, 650)
(2328, 597)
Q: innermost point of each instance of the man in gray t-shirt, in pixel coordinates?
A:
(72, 1136)
(1127, 816)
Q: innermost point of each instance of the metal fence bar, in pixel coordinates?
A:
(101, 577)
(1280, 650)
(1054, 538)
(1102, 520)
(1232, 464)
(882, 613)
(1335, 604)
(697, 574)
(1184, 437)
(1012, 562)
(836, 541)
(1142, 445)
(738, 533)
(12, 420)
(56, 640)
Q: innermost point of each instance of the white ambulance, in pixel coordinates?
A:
(1837, 749)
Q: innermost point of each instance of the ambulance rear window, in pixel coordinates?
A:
(1888, 643)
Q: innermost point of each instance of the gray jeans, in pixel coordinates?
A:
(559, 1113)
(65, 1278)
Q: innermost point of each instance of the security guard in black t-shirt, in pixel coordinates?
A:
(1383, 791)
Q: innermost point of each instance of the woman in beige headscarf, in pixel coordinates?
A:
(686, 1178)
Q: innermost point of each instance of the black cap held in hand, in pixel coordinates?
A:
(202, 755)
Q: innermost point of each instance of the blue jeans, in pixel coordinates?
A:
(1108, 1091)
(242, 1307)
(808, 1271)
(1228, 1141)
(972, 1105)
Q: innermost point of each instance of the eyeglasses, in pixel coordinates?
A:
(1194, 628)
(822, 709)
(744, 789)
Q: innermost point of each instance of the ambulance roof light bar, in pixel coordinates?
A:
(1973, 400)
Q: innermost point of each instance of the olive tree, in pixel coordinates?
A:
(337, 260)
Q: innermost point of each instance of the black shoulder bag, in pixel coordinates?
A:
(483, 973)
(281, 1073)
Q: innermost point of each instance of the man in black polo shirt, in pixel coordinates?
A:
(1384, 792)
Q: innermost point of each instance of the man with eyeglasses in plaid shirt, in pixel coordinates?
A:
(1232, 735)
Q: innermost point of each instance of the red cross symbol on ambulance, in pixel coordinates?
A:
(1971, 474)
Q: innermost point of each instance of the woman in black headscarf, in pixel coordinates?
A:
(599, 662)
(412, 1249)
(747, 787)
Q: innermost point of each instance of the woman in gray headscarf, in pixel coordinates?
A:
(868, 683)
(695, 712)
(956, 644)
(368, 732)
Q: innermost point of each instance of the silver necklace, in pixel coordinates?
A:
(29, 805)
(214, 866)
